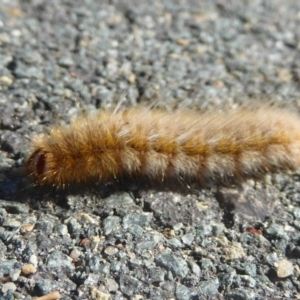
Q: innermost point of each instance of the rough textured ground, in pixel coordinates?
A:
(59, 56)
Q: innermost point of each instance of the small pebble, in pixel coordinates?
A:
(98, 295)
(129, 285)
(28, 269)
(8, 286)
(195, 268)
(112, 285)
(6, 80)
(62, 229)
(65, 61)
(173, 263)
(14, 274)
(27, 228)
(174, 243)
(51, 296)
(188, 239)
(111, 224)
(75, 253)
(235, 251)
(210, 287)
(92, 279)
(33, 260)
(142, 219)
(284, 269)
(57, 259)
(157, 274)
(110, 250)
(182, 292)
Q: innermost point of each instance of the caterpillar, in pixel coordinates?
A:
(156, 144)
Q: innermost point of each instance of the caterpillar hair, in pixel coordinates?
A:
(155, 144)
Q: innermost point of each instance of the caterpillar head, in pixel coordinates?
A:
(36, 166)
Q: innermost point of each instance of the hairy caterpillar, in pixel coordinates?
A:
(156, 144)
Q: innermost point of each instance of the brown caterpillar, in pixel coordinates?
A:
(156, 144)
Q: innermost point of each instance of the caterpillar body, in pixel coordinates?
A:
(156, 144)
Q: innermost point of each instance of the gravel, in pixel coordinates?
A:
(59, 57)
